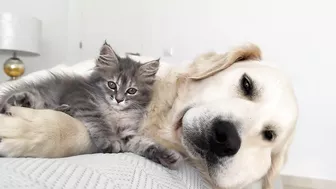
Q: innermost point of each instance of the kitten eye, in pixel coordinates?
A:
(112, 85)
(268, 135)
(131, 91)
(246, 85)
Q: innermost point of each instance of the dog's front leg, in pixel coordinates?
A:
(26, 132)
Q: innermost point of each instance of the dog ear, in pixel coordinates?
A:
(278, 160)
(211, 63)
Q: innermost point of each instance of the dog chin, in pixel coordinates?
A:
(224, 182)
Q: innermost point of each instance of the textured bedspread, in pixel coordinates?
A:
(111, 171)
(98, 171)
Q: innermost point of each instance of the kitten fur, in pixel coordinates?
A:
(104, 102)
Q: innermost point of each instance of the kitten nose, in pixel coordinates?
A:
(119, 100)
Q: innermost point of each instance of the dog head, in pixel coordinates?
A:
(236, 118)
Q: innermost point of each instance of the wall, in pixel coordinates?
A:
(54, 16)
(298, 35)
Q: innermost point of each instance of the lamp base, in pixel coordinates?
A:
(14, 67)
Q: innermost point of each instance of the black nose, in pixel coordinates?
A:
(225, 140)
(119, 100)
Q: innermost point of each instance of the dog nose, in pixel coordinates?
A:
(225, 140)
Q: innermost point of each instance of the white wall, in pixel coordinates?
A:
(54, 16)
(299, 35)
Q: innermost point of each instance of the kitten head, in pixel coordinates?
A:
(127, 84)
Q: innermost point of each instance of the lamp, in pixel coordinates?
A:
(19, 35)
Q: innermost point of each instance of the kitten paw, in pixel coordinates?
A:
(105, 145)
(6, 110)
(65, 108)
(170, 158)
(23, 99)
(167, 158)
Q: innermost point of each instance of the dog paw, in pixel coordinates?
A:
(13, 137)
(12, 147)
(42, 133)
(27, 134)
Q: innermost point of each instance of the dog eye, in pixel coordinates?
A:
(131, 91)
(246, 85)
(269, 135)
(112, 85)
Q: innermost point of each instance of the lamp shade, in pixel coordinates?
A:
(20, 34)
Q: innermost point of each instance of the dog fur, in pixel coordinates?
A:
(38, 133)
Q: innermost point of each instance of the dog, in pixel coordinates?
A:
(232, 115)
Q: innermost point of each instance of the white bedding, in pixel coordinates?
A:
(99, 171)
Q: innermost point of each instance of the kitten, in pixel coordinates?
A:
(111, 103)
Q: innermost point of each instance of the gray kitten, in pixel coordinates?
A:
(111, 103)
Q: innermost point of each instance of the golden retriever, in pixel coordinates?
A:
(232, 115)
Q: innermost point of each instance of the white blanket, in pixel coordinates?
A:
(98, 171)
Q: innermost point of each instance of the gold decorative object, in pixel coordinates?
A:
(19, 34)
(14, 67)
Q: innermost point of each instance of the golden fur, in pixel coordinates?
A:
(46, 133)
(169, 97)
(42, 133)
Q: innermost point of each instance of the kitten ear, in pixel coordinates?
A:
(107, 56)
(150, 68)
